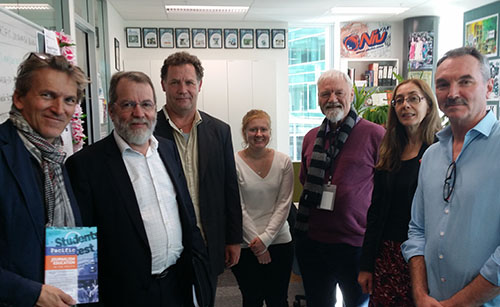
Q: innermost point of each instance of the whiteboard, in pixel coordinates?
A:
(18, 36)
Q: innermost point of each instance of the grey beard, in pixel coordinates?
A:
(335, 115)
(138, 137)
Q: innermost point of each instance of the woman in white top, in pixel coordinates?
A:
(265, 178)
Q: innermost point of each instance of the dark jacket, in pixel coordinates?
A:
(107, 200)
(22, 222)
(219, 196)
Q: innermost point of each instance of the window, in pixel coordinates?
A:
(306, 61)
(49, 17)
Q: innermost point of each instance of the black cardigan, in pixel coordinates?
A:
(378, 214)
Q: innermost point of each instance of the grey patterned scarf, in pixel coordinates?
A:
(51, 157)
(320, 161)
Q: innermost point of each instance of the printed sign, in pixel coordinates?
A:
(360, 40)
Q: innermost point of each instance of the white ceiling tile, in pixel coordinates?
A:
(292, 11)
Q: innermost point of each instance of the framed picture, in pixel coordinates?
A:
(278, 38)
(424, 75)
(493, 106)
(495, 75)
(182, 38)
(482, 34)
(214, 38)
(262, 36)
(199, 38)
(134, 39)
(420, 46)
(150, 37)
(231, 38)
(246, 38)
(117, 54)
(166, 38)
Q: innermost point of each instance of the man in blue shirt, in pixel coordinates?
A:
(453, 245)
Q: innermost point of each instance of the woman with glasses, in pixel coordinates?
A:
(265, 179)
(412, 123)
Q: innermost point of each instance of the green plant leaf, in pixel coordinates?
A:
(376, 114)
(398, 77)
(361, 94)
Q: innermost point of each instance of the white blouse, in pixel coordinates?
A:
(265, 202)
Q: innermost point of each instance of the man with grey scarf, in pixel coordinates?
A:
(35, 190)
(338, 158)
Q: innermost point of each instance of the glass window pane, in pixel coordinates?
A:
(298, 147)
(312, 97)
(49, 17)
(306, 61)
(81, 9)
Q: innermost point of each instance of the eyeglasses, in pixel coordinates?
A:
(41, 56)
(130, 105)
(412, 99)
(449, 181)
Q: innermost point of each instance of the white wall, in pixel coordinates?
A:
(450, 30)
(115, 30)
(235, 81)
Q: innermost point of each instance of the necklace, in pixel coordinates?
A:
(258, 162)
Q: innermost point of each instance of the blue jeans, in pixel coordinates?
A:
(323, 266)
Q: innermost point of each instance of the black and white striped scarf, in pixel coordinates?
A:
(51, 157)
(320, 161)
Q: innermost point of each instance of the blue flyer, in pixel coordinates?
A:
(71, 261)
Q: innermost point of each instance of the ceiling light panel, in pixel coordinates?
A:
(27, 6)
(201, 9)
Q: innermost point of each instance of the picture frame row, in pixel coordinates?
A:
(202, 38)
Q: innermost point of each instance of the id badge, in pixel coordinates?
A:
(328, 198)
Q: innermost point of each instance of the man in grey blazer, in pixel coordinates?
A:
(206, 150)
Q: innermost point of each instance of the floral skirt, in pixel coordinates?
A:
(391, 279)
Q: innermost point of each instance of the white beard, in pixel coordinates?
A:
(137, 137)
(335, 115)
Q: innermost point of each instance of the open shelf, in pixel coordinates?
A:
(381, 72)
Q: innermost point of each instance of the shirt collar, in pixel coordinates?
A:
(486, 124)
(124, 146)
(483, 127)
(196, 122)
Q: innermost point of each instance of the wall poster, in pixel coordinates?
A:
(420, 50)
(495, 74)
(483, 34)
(359, 40)
(425, 75)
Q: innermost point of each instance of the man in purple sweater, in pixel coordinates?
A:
(338, 159)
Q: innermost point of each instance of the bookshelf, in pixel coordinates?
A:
(381, 75)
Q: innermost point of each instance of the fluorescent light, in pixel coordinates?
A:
(368, 10)
(27, 6)
(204, 9)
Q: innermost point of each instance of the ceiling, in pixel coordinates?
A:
(291, 11)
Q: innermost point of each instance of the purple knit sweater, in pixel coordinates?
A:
(353, 175)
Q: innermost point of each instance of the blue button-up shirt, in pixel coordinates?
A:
(459, 239)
